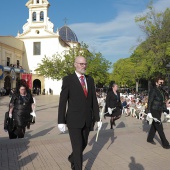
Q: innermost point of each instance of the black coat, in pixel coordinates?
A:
(156, 100)
(113, 101)
(22, 108)
(75, 109)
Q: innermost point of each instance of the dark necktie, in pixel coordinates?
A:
(83, 85)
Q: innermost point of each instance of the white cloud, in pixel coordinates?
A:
(161, 5)
(114, 38)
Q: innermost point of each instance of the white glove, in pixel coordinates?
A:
(62, 127)
(109, 110)
(99, 125)
(149, 116)
(165, 113)
(10, 115)
(33, 113)
(167, 116)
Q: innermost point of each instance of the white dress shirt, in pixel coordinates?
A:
(79, 77)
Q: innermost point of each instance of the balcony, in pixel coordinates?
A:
(17, 68)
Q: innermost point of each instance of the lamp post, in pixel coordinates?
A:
(168, 75)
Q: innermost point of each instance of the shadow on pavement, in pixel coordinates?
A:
(46, 108)
(91, 155)
(15, 153)
(134, 166)
(121, 125)
(38, 134)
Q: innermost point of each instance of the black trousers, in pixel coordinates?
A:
(156, 126)
(79, 140)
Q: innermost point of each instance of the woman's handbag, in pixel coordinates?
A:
(8, 122)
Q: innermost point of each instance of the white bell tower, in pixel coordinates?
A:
(40, 40)
(38, 16)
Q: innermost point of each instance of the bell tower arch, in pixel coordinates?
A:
(38, 16)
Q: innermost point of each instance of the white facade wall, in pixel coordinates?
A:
(54, 85)
(49, 47)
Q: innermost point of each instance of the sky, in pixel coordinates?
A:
(106, 26)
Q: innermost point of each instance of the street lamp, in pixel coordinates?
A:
(168, 75)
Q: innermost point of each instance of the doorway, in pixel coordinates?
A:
(37, 86)
(7, 84)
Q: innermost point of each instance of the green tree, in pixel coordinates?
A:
(123, 72)
(98, 68)
(156, 27)
(152, 55)
(59, 66)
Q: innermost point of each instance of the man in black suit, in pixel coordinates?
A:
(78, 94)
(156, 105)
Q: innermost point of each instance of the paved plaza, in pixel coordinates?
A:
(45, 148)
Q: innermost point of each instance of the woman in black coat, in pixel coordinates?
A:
(113, 101)
(21, 105)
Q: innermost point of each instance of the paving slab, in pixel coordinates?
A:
(45, 148)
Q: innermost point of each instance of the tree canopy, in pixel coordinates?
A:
(57, 66)
(152, 55)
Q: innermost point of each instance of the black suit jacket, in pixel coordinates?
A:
(156, 100)
(113, 100)
(75, 109)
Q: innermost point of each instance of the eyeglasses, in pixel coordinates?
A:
(82, 64)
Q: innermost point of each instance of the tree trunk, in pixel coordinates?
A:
(149, 86)
(137, 86)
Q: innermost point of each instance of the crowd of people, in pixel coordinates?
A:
(134, 105)
(151, 106)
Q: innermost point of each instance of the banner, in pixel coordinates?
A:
(1, 72)
(28, 78)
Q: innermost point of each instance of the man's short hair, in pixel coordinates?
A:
(159, 77)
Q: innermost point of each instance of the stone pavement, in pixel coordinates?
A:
(45, 148)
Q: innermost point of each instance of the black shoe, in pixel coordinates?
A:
(152, 142)
(72, 164)
(166, 147)
(28, 125)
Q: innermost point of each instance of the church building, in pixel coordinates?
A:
(23, 53)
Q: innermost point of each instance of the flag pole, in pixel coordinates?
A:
(101, 117)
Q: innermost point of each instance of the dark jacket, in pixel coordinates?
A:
(156, 100)
(22, 108)
(75, 109)
(113, 100)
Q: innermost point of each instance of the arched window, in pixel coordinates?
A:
(34, 16)
(41, 16)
